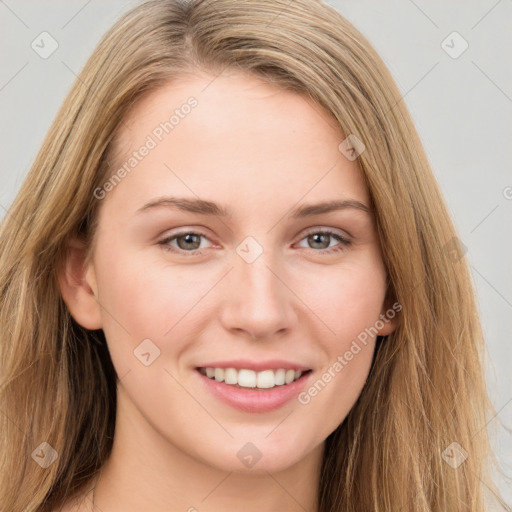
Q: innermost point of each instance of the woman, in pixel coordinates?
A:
(230, 279)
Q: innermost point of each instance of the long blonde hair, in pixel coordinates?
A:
(426, 387)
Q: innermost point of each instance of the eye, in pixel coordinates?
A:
(322, 240)
(188, 241)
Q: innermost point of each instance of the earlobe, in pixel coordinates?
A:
(388, 319)
(77, 283)
(388, 327)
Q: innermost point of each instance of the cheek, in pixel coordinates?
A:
(349, 303)
(347, 299)
(143, 299)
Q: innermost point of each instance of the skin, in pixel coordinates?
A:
(260, 151)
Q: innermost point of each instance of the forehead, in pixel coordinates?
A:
(225, 102)
(232, 136)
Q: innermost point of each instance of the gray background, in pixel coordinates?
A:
(461, 106)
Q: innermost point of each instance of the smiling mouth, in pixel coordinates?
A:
(246, 378)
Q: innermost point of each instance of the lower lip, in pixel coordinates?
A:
(255, 399)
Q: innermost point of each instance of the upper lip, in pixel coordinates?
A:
(256, 365)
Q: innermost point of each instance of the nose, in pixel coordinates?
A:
(259, 301)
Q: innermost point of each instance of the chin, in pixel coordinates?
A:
(260, 456)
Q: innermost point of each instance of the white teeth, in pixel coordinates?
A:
(290, 375)
(230, 376)
(265, 379)
(247, 378)
(279, 377)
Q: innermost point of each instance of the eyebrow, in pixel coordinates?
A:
(205, 207)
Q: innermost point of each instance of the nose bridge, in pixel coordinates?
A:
(254, 271)
(258, 279)
(259, 302)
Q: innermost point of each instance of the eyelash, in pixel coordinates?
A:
(344, 242)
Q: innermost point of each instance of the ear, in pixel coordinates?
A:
(389, 316)
(77, 283)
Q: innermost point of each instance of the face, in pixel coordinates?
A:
(210, 259)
